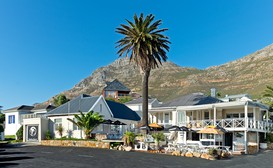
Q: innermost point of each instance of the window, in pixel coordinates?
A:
(250, 115)
(11, 119)
(75, 127)
(235, 115)
(110, 94)
(167, 118)
(206, 115)
(57, 123)
(100, 107)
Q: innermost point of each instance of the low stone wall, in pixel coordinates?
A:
(91, 144)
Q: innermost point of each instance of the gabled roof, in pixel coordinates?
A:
(22, 107)
(191, 99)
(116, 86)
(81, 103)
(122, 111)
(139, 101)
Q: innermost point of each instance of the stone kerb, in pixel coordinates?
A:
(91, 144)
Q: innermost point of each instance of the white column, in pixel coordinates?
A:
(267, 119)
(246, 117)
(214, 115)
(174, 118)
(245, 142)
(246, 126)
(254, 117)
(258, 142)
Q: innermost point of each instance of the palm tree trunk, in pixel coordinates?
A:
(145, 81)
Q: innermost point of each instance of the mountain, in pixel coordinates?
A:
(249, 74)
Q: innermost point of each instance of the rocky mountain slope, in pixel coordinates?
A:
(249, 74)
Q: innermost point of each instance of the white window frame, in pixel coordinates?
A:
(11, 119)
(57, 123)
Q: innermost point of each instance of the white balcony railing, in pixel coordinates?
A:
(231, 124)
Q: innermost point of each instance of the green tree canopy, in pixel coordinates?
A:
(59, 100)
(146, 46)
(88, 122)
(268, 97)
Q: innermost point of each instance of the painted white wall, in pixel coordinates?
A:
(135, 107)
(105, 111)
(42, 126)
(100, 106)
(11, 129)
(66, 124)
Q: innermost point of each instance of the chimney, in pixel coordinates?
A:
(213, 92)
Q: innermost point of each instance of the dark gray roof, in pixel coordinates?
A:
(81, 103)
(139, 101)
(116, 86)
(260, 105)
(43, 106)
(22, 107)
(191, 99)
(121, 111)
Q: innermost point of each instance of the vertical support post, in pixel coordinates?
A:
(214, 115)
(258, 140)
(246, 126)
(246, 116)
(214, 121)
(254, 117)
(267, 120)
(245, 142)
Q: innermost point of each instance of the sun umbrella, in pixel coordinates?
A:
(156, 127)
(174, 128)
(211, 130)
(118, 123)
(177, 128)
(108, 122)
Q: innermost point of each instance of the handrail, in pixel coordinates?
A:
(235, 123)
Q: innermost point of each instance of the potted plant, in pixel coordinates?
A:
(263, 143)
(159, 136)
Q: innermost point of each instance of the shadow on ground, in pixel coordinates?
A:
(8, 164)
(9, 158)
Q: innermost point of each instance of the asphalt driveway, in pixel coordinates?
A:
(49, 157)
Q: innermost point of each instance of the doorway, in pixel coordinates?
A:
(229, 139)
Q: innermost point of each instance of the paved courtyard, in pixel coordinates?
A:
(49, 157)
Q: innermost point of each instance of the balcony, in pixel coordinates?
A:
(26, 116)
(232, 124)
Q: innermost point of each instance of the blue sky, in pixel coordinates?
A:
(47, 47)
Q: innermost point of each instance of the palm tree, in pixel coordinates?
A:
(268, 97)
(268, 92)
(88, 122)
(146, 46)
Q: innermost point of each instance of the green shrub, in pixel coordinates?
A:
(129, 138)
(20, 133)
(1, 128)
(48, 135)
(159, 136)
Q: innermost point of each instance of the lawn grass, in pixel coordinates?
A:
(11, 139)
